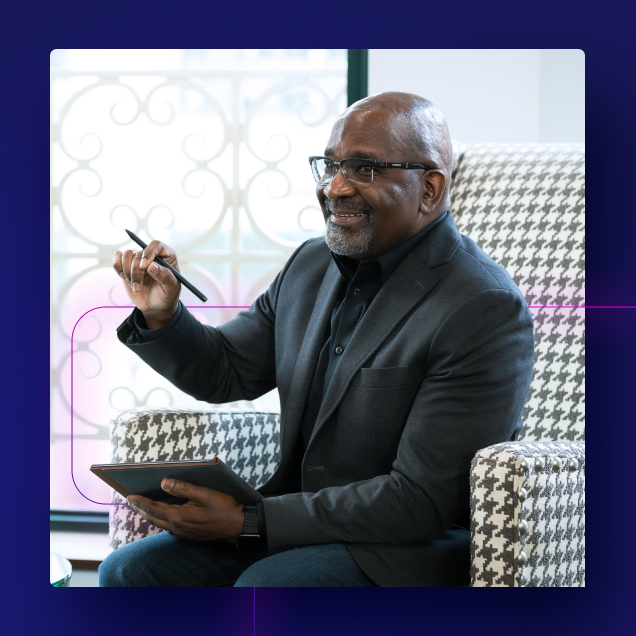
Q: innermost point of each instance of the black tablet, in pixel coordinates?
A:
(144, 478)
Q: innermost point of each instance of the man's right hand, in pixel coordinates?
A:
(153, 289)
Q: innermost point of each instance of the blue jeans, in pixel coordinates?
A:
(163, 560)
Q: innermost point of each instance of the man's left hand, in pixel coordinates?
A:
(208, 515)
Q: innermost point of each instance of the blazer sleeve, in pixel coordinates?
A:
(475, 386)
(235, 361)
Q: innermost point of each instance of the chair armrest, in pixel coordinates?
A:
(248, 442)
(527, 503)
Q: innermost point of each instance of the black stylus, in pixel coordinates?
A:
(163, 263)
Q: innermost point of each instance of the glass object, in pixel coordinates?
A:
(61, 571)
(358, 173)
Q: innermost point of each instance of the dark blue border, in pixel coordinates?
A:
(30, 32)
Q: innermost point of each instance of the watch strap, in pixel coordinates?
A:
(251, 539)
(250, 523)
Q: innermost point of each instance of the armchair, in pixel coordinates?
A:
(524, 205)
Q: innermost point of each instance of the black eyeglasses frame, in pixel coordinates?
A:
(373, 163)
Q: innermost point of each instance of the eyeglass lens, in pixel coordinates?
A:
(358, 173)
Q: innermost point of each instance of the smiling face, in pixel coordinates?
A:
(366, 223)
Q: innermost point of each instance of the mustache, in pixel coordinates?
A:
(338, 206)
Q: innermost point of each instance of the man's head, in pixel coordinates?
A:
(398, 127)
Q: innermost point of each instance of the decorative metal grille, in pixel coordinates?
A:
(211, 162)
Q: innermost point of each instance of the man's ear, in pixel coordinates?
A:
(434, 187)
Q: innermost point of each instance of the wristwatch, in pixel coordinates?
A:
(251, 539)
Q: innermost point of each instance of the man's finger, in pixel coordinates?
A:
(163, 276)
(145, 505)
(156, 512)
(186, 490)
(117, 265)
(126, 262)
(157, 248)
(137, 275)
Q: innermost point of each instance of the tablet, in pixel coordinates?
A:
(144, 478)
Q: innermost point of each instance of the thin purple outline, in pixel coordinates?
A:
(72, 378)
(247, 307)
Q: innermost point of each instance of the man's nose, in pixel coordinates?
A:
(338, 187)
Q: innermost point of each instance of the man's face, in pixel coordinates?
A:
(366, 223)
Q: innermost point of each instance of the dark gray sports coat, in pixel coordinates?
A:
(438, 368)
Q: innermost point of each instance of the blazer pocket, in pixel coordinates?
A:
(381, 378)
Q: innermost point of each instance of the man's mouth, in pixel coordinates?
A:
(346, 219)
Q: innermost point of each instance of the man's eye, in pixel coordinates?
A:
(365, 169)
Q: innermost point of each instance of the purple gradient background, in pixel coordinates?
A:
(28, 35)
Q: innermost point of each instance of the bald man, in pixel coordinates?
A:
(398, 349)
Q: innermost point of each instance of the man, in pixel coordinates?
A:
(398, 349)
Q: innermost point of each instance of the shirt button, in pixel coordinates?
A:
(356, 292)
(339, 350)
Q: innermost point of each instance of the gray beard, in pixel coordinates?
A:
(343, 240)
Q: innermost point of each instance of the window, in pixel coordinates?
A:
(204, 149)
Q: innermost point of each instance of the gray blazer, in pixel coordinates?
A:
(438, 368)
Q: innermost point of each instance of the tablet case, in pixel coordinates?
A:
(144, 478)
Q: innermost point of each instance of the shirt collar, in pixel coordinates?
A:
(388, 261)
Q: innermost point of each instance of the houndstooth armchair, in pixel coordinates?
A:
(524, 205)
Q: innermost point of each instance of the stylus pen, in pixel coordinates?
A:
(163, 263)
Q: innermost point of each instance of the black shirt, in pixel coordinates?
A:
(363, 281)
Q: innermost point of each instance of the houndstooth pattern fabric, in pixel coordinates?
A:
(525, 207)
(527, 503)
(249, 443)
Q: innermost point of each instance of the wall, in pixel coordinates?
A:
(562, 95)
(492, 95)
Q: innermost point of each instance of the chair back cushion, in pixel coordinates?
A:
(524, 205)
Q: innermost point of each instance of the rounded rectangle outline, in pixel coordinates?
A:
(248, 307)
(72, 377)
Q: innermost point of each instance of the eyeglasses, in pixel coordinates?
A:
(357, 172)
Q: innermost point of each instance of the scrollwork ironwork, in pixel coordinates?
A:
(225, 162)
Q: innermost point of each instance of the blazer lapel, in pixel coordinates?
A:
(308, 357)
(408, 285)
